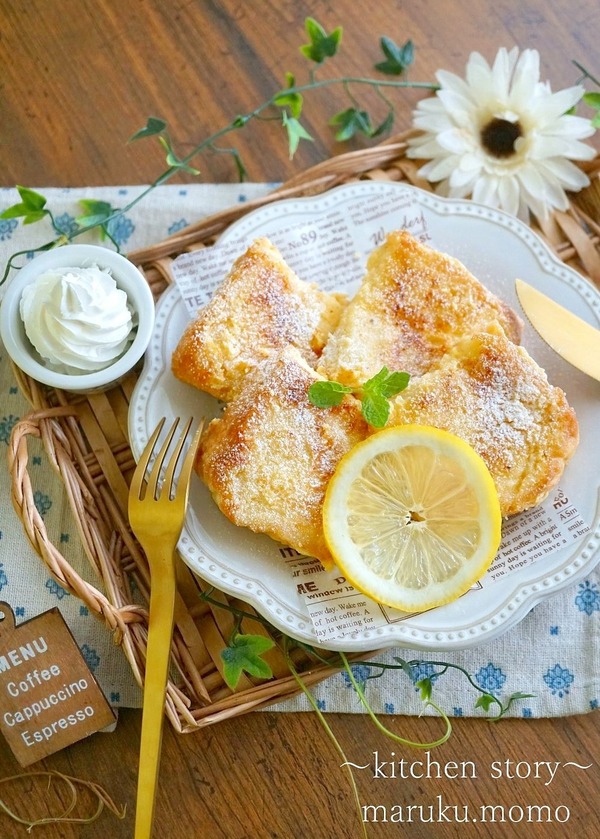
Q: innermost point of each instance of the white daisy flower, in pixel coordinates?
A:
(502, 137)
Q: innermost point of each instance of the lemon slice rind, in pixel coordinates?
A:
(440, 569)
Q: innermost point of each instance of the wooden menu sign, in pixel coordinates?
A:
(48, 695)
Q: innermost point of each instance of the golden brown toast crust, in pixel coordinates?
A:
(261, 306)
(268, 460)
(414, 304)
(494, 396)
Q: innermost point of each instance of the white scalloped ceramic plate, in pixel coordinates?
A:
(496, 248)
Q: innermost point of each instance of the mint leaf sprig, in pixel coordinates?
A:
(374, 395)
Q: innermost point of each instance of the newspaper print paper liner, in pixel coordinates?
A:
(497, 248)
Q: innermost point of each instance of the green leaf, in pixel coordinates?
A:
(94, 212)
(295, 132)
(395, 383)
(592, 99)
(405, 665)
(351, 121)
(376, 381)
(293, 101)
(384, 126)
(239, 165)
(386, 384)
(30, 208)
(15, 211)
(327, 394)
(485, 700)
(31, 199)
(36, 215)
(397, 58)
(154, 126)
(425, 687)
(375, 409)
(244, 654)
(172, 159)
(321, 44)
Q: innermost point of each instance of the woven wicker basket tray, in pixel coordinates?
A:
(86, 441)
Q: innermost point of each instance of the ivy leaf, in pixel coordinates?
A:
(518, 695)
(30, 208)
(239, 165)
(351, 121)
(397, 58)
(321, 45)
(244, 654)
(327, 394)
(95, 214)
(172, 159)
(593, 100)
(293, 101)
(485, 700)
(425, 687)
(295, 131)
(384, 126)
(36, 215)
(154, 125)
(405, 665)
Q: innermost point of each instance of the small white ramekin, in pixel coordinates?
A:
(127, 277)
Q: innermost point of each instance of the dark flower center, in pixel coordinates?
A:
(499, 135)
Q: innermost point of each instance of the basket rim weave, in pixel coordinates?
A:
(85, 440)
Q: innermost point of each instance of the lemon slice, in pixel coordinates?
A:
(411, 517)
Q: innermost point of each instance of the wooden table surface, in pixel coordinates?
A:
(77, 78)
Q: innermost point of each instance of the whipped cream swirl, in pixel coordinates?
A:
(77, 319)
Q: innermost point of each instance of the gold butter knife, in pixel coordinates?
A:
(570, 336)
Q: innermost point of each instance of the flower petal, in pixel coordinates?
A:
(479, 76)
(572, 126)
(454, 141)
(525, 78)
(463, 179)
(432, 122)
(544, 147)
(546, 189)
(485, 190)
(568, 174)
(437, 170)
(455, 105)
(502, 71)
(450, 81)
(508, 192)
(549, 107)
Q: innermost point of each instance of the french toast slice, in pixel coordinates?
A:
(268, 459)
(493, 395)
(413, 305)
(260, 307)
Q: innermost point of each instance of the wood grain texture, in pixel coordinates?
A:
(76, 80)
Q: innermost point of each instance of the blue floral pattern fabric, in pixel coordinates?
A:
(553, 654)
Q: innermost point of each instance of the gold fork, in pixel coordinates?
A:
(156, 515)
